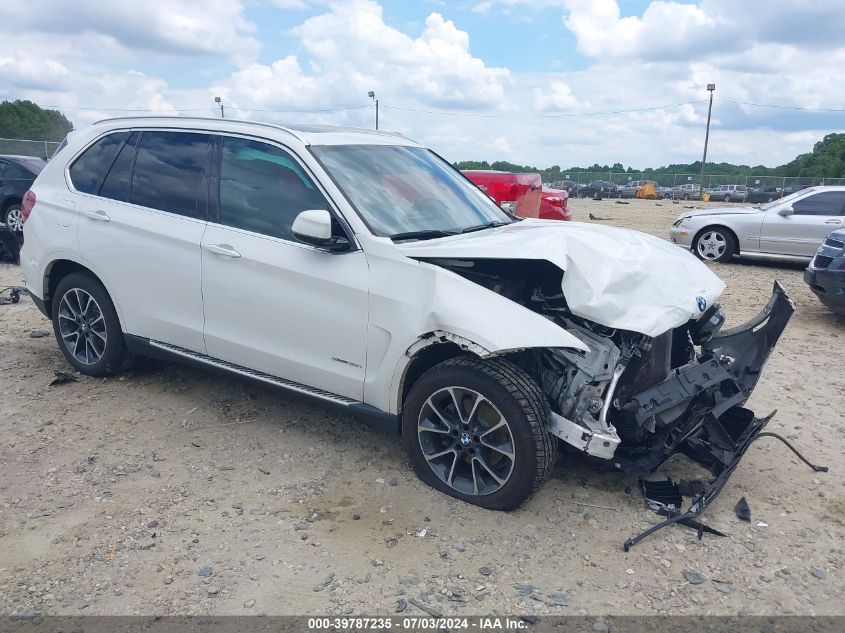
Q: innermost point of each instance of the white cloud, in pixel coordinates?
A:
(556, 96)
(664, 28)
(28, 72)
(217, 27)
(352, 44)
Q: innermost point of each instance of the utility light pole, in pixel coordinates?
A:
(219, 102)
(372, 95)
(710, 89)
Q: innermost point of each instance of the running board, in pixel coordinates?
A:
(256, 375)
(369, 413)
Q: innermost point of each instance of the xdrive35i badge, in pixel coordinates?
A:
(345, 362)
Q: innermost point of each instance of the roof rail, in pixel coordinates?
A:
(289, 130)
(275, 126)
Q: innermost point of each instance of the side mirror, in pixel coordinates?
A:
(315, 227)
(786, 212)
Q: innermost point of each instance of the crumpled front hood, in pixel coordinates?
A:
(615, 277)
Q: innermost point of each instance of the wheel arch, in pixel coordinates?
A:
(8, 202)
(426, 352)
(60, 268)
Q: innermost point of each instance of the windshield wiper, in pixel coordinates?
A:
(424, 234)
(481, 227)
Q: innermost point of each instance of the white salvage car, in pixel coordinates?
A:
(360, 269)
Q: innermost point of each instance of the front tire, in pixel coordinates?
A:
(87, 328)
(477, 430)
(714, 244)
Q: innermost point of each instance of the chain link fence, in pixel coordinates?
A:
(25, 147)
(575, 179)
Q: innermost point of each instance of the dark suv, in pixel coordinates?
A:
(826, 273)
(17, 174)
(599, 189)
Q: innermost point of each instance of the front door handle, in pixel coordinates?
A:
(99, 215)
(222, 249)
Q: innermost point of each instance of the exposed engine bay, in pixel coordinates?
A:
(633, 400)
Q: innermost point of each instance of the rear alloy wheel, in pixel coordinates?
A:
(13, 219)
(477, 430)
(87, 328)
(714, 244)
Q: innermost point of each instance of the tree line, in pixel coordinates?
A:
(827, 160)
(25, 120)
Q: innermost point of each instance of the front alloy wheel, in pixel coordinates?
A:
(478, 431)
(466, 441)
(714, 245)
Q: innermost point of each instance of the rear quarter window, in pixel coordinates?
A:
(88, 171)
(116, 184)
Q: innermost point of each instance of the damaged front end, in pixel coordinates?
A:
(632, 401)
(636, 401)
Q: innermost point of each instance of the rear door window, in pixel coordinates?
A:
(263, 189)
(171, 170)
(89, 170)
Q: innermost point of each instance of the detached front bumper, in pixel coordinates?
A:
(714, 430)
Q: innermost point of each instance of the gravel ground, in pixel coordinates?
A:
(171, 490)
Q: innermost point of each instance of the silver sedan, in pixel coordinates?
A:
(790, 228)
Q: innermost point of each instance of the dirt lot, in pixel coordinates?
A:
(175, 491)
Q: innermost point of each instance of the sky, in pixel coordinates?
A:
(537, 82)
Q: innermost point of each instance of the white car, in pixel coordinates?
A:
(362, 270)
(790, 228)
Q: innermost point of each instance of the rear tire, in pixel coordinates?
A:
(87, 328)
(454, 415)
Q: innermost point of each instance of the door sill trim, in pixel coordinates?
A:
(368, 413)
(257, 375)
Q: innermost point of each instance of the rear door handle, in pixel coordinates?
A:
(99, 215)
(223, 249)
(833, 221)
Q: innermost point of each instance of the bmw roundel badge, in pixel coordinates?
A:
(702, 303)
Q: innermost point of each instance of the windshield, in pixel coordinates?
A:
(401, 190)
(780, 201)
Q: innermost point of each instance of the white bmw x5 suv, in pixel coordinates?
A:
(363, 270)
